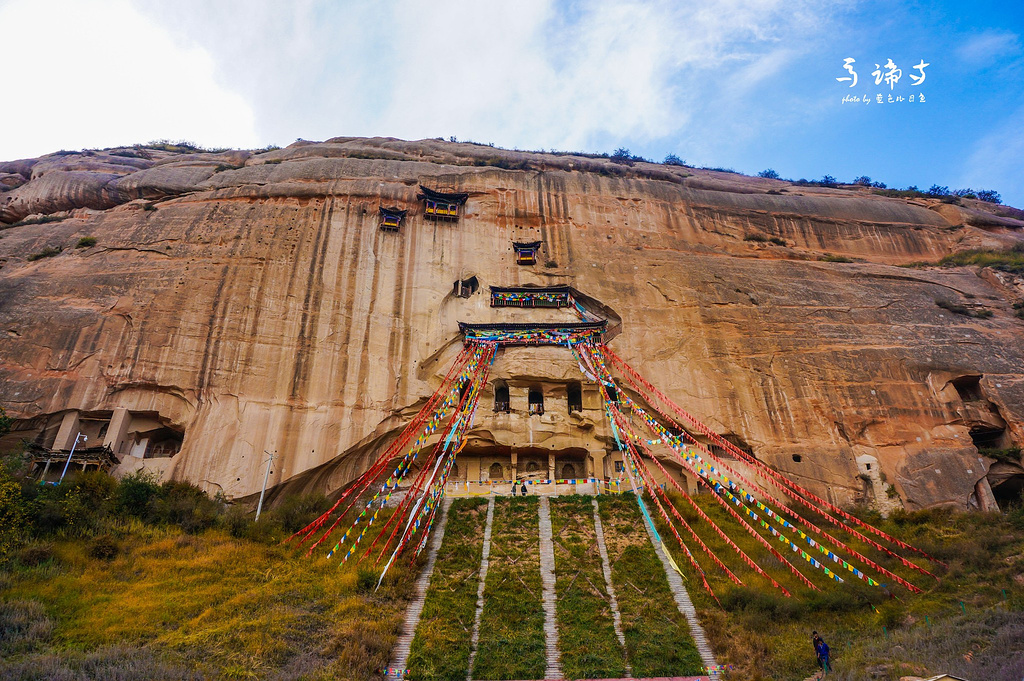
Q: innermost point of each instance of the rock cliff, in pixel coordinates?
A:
(248, 302)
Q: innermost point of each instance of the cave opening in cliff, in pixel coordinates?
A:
(1009, 492)
(159, 443)
(968, 388)
(501, 398)
(464, 288)
(535, 401)
(574, 397)
(987, 437)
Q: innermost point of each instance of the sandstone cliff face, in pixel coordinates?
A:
(251, 302)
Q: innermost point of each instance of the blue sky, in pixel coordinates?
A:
(743, 84)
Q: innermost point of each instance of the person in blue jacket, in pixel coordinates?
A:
(821, 651)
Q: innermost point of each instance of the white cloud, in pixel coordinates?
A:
(94, 73)
(533, 73)
(997, 161)
(989, 47)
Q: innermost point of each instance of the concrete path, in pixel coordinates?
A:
(547, 575)
(484, 563)
(606, 567)
(684, 603)
(400, 656)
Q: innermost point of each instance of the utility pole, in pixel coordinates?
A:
(78, 437)
(266, 477)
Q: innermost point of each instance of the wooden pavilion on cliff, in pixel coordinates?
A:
(529, 296)
(391, 218)
(439, 205)
(526, 252)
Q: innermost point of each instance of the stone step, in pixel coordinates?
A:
(553, 669)
(606, 568)
(683, 602)
(400, 654)
(484, 564)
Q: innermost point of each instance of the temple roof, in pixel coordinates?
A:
(530, 289)
(434, 195)
(532, 334)
(525, 245)
(394, 211)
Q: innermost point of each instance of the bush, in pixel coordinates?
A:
(957, 308)
(299, 510)
(136, 494)
(366, 578)
(622, 157)
(12, 514)
(47, 252)
(828, 181)
(39, 221)
(1008, 455)
(104, 547)
(769, 174)
(777, 241)
(86, 242)
(755, 237)
(835, 258)
(761, 604)
(550, 264)
(36, 554)
(183, 504)
(78, 506)
(863, 180)
(673, 160)
(1011, 260)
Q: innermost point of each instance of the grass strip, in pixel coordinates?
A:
(440, 649)
(658, 641)
(586, 630)
(512, 627)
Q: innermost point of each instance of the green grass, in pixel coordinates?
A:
(586, 633)
(86, 242)
(1009, 261)
(658, 641)
(441, 647)
(512, 627)
(47, 252)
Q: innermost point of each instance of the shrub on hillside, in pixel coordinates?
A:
(136, 494)
(299, 510)
(184, 504)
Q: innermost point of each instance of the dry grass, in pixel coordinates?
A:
(207, 604)
(985, 554)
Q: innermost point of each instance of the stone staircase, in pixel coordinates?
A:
(683, 602)
(606, 568)
(547, 574)
(484, 563)
(400, 656)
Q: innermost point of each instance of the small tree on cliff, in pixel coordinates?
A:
(5, 422)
